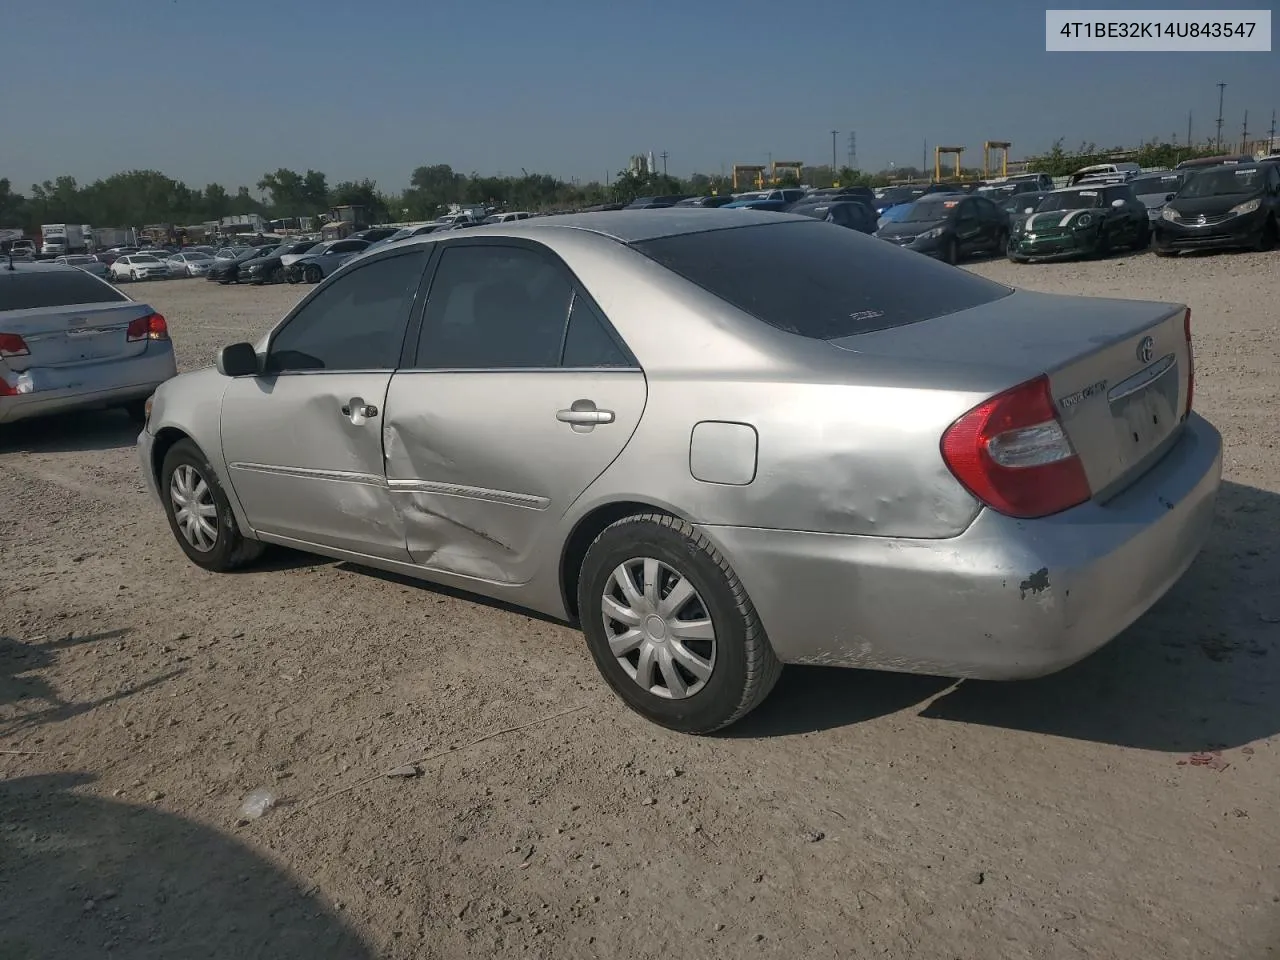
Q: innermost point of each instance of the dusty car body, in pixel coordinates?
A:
(634, 420)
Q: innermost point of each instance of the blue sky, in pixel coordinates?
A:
(224, 90)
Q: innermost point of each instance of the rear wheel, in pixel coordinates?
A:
(671, 627)
(137, 411)
(199, 514)
(312, 274)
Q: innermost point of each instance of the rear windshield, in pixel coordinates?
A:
(29, 290)
(819, 280)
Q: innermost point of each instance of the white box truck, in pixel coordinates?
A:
(58, 239)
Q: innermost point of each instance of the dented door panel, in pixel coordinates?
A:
(482, 465)
(304, 454)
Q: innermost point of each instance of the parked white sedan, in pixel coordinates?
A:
(189, 264)
(139, 266)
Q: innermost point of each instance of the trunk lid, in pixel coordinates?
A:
(66, 335)
(1118, 369)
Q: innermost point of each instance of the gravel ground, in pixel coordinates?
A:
(1125, 807)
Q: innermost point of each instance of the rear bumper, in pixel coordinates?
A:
(1006, 599)
(91, 385)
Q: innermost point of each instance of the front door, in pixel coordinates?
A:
(519, 396)
(303, 440)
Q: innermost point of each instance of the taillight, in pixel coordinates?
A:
(12, 345)
(1012, 453)
(150, 327)
(1191, 362)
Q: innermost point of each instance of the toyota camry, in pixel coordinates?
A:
(720, 441)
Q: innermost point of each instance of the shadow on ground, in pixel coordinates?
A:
(1200, 671)
(89, 877)
(27, 699)
(71, 432)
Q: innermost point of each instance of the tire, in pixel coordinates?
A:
(229, 548)
(137, 411)
(1002, 243)
(291, 276)
(1267, 239)
(741, 667)
(275, 276)
(133, 275)
(1144, 237)
(312, 274)
(1103, 249)
(947, 251)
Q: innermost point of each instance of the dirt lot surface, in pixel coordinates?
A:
(1123, 808)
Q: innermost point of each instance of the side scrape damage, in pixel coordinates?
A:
(1038, 582)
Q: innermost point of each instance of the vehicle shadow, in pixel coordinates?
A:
(91, 877)
(28, 701)
(1199, 672)
(70, 433)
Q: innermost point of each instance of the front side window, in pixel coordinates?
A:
(356, 322)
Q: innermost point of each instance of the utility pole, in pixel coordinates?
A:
(1189, 143)
(1221, 88)
(834, 165)
(1271, 136)
(663, 155)
(853, 150)
(1244, 134)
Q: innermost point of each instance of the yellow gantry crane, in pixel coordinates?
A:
(937, 161)
(987, 148)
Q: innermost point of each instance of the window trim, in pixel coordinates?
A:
(327, 282)
(413, 337)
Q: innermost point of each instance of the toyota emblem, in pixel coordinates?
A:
(1146, 349)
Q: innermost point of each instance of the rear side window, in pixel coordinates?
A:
(23, 290)
(818, 280)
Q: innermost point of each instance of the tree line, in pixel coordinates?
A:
(139, 197)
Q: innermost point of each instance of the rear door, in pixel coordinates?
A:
(303, 440)
(518, 394)
(65, 317)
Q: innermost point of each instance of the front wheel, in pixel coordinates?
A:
(1144, 237)
(671, 627)
(199, 513)
(1267, 239)
(312, 274)
(947, 251)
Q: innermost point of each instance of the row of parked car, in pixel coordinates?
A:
(1208, 203)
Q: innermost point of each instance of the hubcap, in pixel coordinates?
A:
(193, 508)
(658, 628)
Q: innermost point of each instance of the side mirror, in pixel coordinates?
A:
(238, 360)
(1117, 203)
(1029, 210)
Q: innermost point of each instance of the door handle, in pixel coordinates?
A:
(358, 409)
(583, 416)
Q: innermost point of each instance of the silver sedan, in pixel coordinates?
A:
(719, 441)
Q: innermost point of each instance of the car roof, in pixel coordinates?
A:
(627, 226)
(39, 266)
